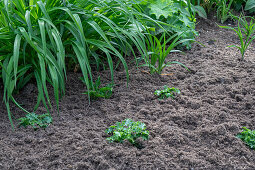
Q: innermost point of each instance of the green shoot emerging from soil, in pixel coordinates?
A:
(245, 32)
(248, 136)
(129, 130)
(167, 92)
(96, 92)
(36, 121)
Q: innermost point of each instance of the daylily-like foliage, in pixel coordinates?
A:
(39, 37)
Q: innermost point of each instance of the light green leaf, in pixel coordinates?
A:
(250, 4)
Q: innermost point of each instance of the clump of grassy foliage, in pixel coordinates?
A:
(248, 136)
(38, 37)
(36, 121)
(159, 49)
(127, 130)
(224, 10)
(167, 92)
(245, 31)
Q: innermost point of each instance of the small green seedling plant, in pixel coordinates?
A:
(245, 31)
(96, 91)
(248, 136)
(167, 92)
(127, 130)
(36, 121)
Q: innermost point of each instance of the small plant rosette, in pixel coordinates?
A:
(167, 92)
(127, 130)
(36, 121)
(248, 137)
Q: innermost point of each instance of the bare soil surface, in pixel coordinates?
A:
(197, 130)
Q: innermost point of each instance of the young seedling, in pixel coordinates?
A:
(245, 32)
(127, 130)
(97, 92)
(167, 92)
(248, 136)
(36, 121)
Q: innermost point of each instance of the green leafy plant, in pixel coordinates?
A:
(223, 10)
(99, 92)
(167, 92)
(178, 16)
(245, 31)
(159, 49)
(208, 5)
(195, 9)
(239, 4)
(127, 130)
(250, 6)
(36, 121)
(248, 136)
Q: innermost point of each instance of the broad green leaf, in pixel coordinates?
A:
(250, 4)
(16, 55)
(201, 11)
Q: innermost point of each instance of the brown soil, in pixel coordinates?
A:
(197, 130)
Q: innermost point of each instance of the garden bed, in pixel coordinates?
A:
(196, 130)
